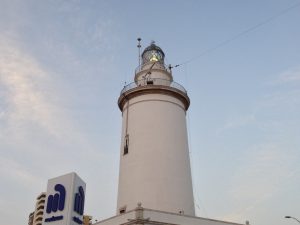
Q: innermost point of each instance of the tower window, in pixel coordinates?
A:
(126, 144)
(149, 81)
(122, 210)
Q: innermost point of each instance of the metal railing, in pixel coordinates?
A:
(153, 82)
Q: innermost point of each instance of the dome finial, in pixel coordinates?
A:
(152, 42)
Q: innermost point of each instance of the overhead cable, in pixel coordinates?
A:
(242, 33)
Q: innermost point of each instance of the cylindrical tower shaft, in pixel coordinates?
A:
(154, 160)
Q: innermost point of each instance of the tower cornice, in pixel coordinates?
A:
(153, 89)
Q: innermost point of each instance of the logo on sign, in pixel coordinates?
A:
(56, 203)
(79, 204)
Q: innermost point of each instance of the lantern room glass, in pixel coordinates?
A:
(153, 54)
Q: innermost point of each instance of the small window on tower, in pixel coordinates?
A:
(126, 143)
(149, 82)
(122, 210)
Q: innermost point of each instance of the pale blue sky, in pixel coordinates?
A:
(63, 64)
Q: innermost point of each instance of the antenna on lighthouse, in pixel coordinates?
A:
(139, 47)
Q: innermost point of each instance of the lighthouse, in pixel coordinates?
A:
(154, 156)
(155, 183)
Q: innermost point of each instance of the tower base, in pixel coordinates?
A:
(143, 216)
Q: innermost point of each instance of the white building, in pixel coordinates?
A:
(39, 209)
(65, 199)
(62, 204)
(155, 184)
(144, 216)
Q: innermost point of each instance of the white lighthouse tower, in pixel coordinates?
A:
(155, 184)
(154, 160)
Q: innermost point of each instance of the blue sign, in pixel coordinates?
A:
(56, 202)
(79, 204)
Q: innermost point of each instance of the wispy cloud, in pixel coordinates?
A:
(19, 75)
(237, 122)
(290, 75)
(285, 101)
(284, 95)
(17, 173)
(263, 170)
(45, 131)
(29, 112)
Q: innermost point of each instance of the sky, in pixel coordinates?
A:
(64, 63)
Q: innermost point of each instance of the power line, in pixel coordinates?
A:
(238, 35)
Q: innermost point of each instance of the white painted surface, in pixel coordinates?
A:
(39, 209)
(71, 182)
(119, 219)
(155, 217)
(156, 171)
(153, 70)
(169, 218)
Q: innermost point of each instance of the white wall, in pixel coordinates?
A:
(71, 182)
(158, 217)
(156, 171)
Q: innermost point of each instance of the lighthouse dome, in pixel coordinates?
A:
(153, 53)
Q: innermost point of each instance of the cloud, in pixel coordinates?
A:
(20, 76)
(263, 171)
(29, 95)
(290, 75)
(50, 69)
(237, 122)
(51, 65)
(16, 172)
(274, 110)
(32, 118)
